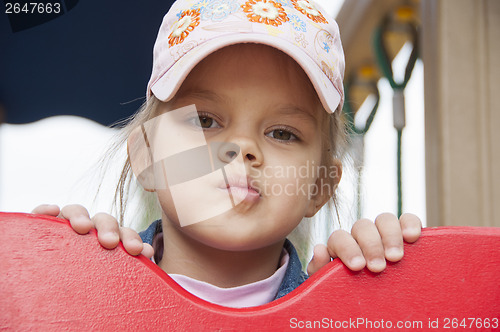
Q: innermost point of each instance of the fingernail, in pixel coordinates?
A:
(412, 231)
(80, 219)
(377, 264)
(109, 236)
(137, 242)
(357, 262)
(394, 253)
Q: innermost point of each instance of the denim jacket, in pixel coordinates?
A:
(294, 275)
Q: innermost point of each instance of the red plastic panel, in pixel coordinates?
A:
(53, 279)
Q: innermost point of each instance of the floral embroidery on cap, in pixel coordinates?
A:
(327, 70)
(187, 22)
(265, 11)
(324, 40)
(326, 47)
(308, 9)
(201, 4)
(297, 23)
(284, 2)
(300, 38)
(218, 10)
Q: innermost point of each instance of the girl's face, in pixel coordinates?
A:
(259, 99)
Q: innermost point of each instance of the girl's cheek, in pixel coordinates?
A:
(167, 204)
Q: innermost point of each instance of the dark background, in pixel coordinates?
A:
(93, 60)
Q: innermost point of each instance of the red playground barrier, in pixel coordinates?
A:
(54, 279)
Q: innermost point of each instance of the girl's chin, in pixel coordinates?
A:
(226, 237)
(245, 245)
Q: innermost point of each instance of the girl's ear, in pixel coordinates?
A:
(140, 157)
(326, 184)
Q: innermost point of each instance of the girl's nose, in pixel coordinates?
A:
(228, 151)
(248, 147)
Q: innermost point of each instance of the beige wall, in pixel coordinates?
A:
(461, 53)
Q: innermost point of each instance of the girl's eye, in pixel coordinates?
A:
(282, 135)
(206, 122)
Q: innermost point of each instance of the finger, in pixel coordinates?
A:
(108, 232)
(47, 209)
(320, 258)
(392, 238)
(342, 245)
(131, 241)
(366, 235)
(411, 227)
(147, 250)
(78, 217)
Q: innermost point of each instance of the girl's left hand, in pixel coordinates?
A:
(370, 243)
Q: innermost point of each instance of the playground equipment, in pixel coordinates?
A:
(52, 278)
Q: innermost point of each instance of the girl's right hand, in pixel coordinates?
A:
(109, 233)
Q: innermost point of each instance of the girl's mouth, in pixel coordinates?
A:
(241, 190)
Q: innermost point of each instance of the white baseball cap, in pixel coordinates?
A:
(193, 29)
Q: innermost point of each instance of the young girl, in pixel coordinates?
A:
(265, 79)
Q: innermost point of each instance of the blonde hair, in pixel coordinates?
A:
(149, 207)
(318, 228)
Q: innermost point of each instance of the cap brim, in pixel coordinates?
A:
(167, 85)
